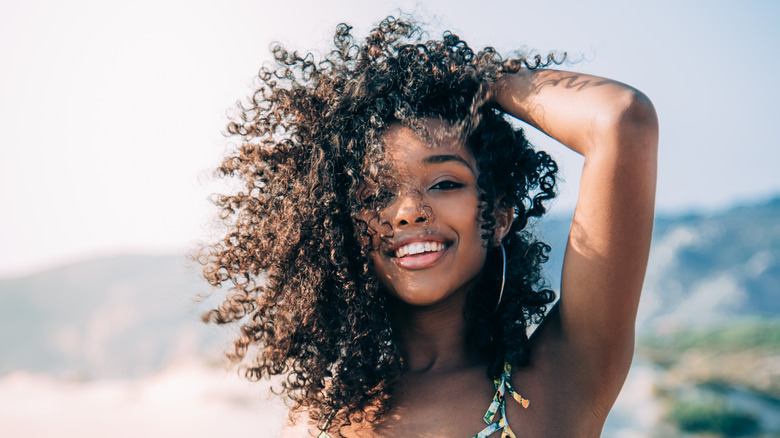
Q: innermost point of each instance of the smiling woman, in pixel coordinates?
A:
(379, 255)
(432, 245)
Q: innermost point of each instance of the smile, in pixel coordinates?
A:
(418, 248)
(419, 254)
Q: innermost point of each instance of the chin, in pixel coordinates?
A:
(426, 296)
(419, 300)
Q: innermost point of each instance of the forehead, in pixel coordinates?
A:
(404, 146)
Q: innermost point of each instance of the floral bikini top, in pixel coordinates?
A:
(498, 405)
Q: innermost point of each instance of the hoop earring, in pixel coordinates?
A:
(503, 277)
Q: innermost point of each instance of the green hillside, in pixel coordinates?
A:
(722, 381)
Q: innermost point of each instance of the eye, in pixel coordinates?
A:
(447, 185)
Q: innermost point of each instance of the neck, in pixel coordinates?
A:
(433, 338)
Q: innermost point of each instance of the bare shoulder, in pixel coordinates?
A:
(564, 400)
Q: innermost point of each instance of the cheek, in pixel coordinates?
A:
(474, 247)
(475, 258)
(368, 230)
(383, 274)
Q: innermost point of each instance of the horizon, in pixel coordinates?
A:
(185, 255)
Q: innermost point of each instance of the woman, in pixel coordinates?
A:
(379, 257)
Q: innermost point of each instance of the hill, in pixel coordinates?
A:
(704, 269)
(117, 317)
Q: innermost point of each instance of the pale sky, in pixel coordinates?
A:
(111, 112)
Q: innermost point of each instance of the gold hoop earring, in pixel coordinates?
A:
(503, 277)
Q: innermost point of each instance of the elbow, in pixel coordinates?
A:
(639, 113)
(632, 120)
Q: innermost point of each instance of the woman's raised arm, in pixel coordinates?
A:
(615, 128)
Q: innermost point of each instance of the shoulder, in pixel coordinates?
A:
(562, 374)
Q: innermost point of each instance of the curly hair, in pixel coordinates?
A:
(295, 262)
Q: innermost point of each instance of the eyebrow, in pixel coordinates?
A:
(438, 159)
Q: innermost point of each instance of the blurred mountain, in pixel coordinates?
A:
(704, 269)
(707, 269)
(125, 316)
(129, 316)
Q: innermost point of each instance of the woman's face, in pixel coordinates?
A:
(428, 244)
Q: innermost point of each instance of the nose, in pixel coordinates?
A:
(411, 210)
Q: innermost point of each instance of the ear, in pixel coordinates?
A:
(505, 215)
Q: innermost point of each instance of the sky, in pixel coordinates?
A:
(112, 113)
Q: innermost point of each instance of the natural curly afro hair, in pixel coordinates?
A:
(294, 261)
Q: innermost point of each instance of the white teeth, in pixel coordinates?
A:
(418, 248)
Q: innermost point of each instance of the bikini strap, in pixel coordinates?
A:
(323, 430)
(498, 405)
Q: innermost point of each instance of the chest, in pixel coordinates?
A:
(454, 407)
(449, 407)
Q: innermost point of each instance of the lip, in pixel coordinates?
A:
(418, 261)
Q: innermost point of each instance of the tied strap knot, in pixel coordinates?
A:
(498, 404)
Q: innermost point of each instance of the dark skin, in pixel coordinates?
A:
(583, 349)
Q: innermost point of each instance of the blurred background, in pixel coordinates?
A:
(111, 121)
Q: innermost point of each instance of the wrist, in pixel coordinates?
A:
(511, 92)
